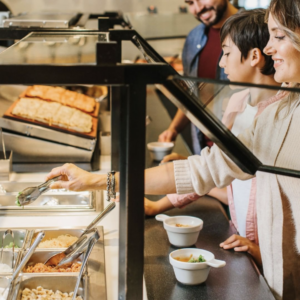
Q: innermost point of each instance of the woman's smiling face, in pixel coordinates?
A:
(286, 57)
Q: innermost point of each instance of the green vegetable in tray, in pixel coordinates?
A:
(195, 260)
(10, 245)
(17, 201)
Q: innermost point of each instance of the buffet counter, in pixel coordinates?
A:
(238, 280)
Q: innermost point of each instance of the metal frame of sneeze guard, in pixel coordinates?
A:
(176, 89)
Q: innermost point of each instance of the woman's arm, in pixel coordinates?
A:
(199, 174)
(158, 181)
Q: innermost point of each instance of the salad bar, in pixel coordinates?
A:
(36, 279)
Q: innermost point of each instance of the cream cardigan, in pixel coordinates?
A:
(274, 144)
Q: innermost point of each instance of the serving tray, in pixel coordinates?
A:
(91, 135)
(93, 283)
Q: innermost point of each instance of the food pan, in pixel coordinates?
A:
(63, 283)
(20, 237)
(40, 256)
(54, 233)
(53, 199)
(10, 258)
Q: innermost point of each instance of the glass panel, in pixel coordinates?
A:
(162, 24)
(52, 48)
(224, 110)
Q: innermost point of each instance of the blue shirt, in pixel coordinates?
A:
(195, 42)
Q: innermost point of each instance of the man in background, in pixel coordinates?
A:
(201, 54)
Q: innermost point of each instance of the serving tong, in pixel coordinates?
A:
(91, 243)
(22, 264)
(30, 194)
(66, 257)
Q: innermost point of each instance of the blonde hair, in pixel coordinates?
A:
(286, 14)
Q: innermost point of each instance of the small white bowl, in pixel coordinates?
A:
(158, 150)
(193, 273)
(181, 236)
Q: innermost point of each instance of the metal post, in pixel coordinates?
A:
(132, 162)
(117, 93)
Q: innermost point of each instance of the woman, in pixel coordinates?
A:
(273, 138)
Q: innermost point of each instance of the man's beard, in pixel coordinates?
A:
(220, 10)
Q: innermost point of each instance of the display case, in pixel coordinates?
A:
(127, 83)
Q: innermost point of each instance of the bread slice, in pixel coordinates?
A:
(62, 96)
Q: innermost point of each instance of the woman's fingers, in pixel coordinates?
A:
(60, 185)
(241, 249)
(62, 170)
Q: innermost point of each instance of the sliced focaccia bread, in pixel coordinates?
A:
(47, 111)
(38, 91)
(63, 116)
(27, 108)
(65, 97)
(81, 122)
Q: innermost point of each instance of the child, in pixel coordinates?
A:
(243, 38)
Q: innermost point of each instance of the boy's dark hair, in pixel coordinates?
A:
(248, 30)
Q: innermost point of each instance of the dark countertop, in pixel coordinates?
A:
(239, 279)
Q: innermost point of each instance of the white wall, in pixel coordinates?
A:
(96, 6)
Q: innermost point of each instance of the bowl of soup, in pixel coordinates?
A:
(191, 266)
(183, 231)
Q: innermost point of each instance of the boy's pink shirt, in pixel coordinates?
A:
(236, 104)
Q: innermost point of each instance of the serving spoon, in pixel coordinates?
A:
(30, 194)
(22, 264)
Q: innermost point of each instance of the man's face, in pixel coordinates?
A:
(209, 12)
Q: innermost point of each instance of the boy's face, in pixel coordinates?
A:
(234, 68)
(209, 12)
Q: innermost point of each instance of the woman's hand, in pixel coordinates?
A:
(168, 135)
(241, 244)
(76, 179)
(173, 156)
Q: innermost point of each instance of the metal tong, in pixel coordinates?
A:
(92, 241)
(8, 232)
(30, 194)
(67, 259)
(23, 262)
(75, 250)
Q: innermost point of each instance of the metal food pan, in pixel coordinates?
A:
(54, 233)
(63, 283)
(53, 199)
(40, 256)
(20, 237)
(11, 259)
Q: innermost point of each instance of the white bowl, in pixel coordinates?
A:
(193, 273)
(158, 150)
(181, 236)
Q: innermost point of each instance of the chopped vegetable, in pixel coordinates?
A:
(10, 245)
(199, 259)
(17, 201)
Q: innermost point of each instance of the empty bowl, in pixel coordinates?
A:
(192, 273)
(158, 150)
(183, 231)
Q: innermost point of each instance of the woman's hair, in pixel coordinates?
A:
(286, 14)
(248, 30)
